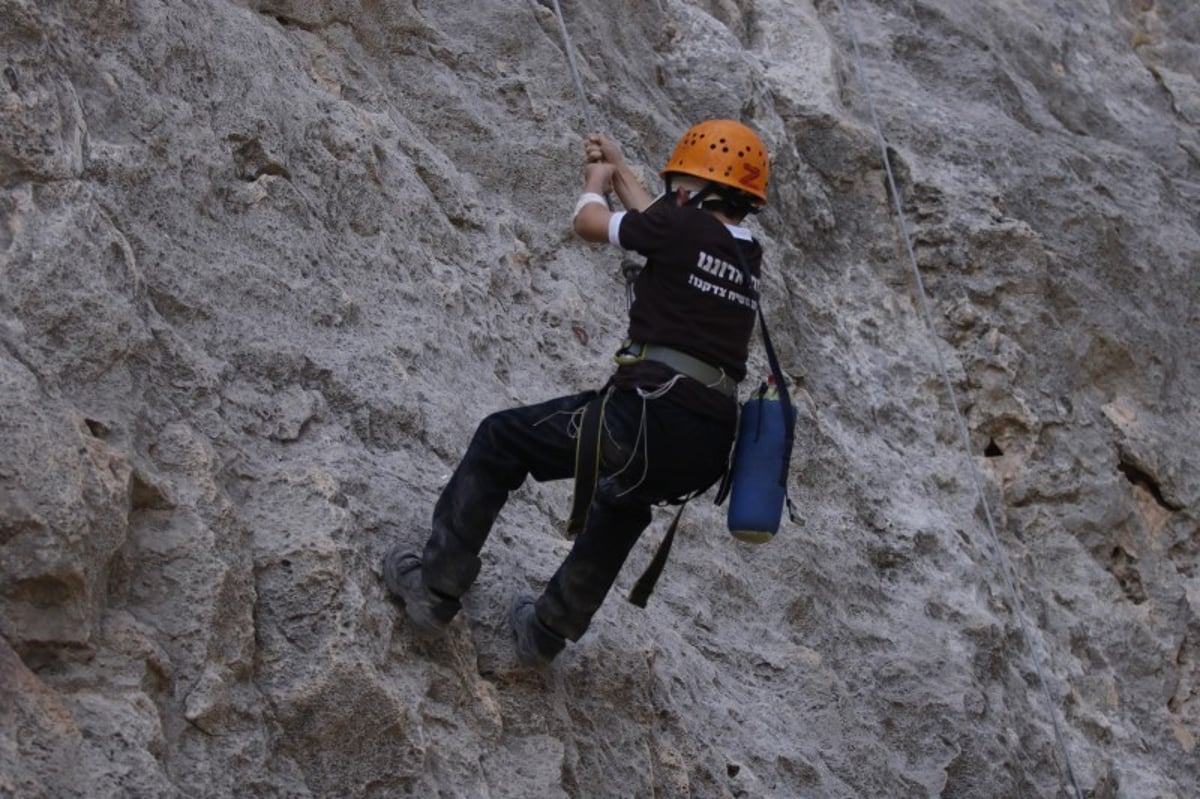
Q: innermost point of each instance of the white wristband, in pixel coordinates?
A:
(587, 198)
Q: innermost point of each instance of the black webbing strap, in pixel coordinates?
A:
(645, 584)
(587, 463)
(785, 397)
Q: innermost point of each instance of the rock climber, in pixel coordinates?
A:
(666, 416)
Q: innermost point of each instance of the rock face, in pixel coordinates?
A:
(265, 263)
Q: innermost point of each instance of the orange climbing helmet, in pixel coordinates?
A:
(725, 152)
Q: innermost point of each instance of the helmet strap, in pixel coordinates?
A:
(697, 197)
(730, 200)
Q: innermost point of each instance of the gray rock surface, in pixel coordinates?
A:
(265, 263)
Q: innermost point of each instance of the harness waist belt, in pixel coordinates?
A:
(681, 362)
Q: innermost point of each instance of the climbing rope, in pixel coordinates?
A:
(630, 268)
(562, 27)
(964, 435)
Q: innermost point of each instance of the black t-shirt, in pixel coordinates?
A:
(693, 295)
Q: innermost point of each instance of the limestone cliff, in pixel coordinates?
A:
(265, 263)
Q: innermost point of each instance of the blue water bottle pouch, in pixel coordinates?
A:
(758, 473)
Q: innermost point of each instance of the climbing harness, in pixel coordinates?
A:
(964, 434)
(632, 352)
(630, 267)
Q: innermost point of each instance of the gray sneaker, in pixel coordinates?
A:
(403, 578)
(537, 644)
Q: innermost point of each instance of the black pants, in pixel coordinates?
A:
(652, 450)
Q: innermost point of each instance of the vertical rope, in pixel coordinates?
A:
(629, 265)
(963, 433)
(562, 27)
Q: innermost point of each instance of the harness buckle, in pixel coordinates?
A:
(631, 352)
